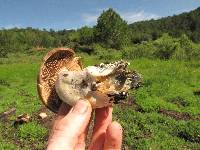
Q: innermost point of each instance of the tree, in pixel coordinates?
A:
(111, 30)
(86, 35)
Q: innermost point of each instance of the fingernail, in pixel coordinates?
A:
(80, 107)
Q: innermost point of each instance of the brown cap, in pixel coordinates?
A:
(52, 63)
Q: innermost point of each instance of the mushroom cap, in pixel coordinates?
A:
(52, 63)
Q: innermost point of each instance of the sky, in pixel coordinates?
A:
(73, 14)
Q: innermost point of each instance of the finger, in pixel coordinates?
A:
(62, 112)
(113, 138)
(103, 118)
(82, 138)
(67, 130)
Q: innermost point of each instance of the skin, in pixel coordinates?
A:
(70, 129)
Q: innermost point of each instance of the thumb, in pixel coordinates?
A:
(78, 118)
(67, 130)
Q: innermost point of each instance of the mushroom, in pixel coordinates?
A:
(62, 78)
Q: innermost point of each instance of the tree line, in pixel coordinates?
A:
(111, 31)
(185, 23)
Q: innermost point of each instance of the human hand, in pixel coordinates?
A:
(70, 129)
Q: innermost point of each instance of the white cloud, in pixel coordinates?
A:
(131, 17)
(9, 26)
(90, 19)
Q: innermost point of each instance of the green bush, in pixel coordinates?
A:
(3, 52)
(146, 50)
(143, 50)
(128, 52)
(179, 54)
(165, 47)
(106, 54)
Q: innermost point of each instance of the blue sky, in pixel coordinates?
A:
(65, 14)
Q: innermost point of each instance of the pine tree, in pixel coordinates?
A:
(111, 30)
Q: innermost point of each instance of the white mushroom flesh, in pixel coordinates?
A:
(102, 85)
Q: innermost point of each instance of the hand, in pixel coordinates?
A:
(70, 129)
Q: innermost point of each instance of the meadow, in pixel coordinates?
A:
(164, 113)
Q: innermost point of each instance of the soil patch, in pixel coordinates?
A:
(4, 83)
(4, 115)
(131, 102)
(197, 92)
(9, 130)
(178, 115)
(180, 102)
(188, 137)
(46, 122)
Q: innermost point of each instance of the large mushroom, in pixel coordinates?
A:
(62, 78)
(51, 65)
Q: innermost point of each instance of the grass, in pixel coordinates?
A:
(167, 85)
(6, 145)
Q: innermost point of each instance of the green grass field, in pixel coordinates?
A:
(163, 114)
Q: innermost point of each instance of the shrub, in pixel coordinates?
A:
(128, 53)
(165, 47)
(179, 54)
(107, 54)
(3, 52)
(146, 50)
